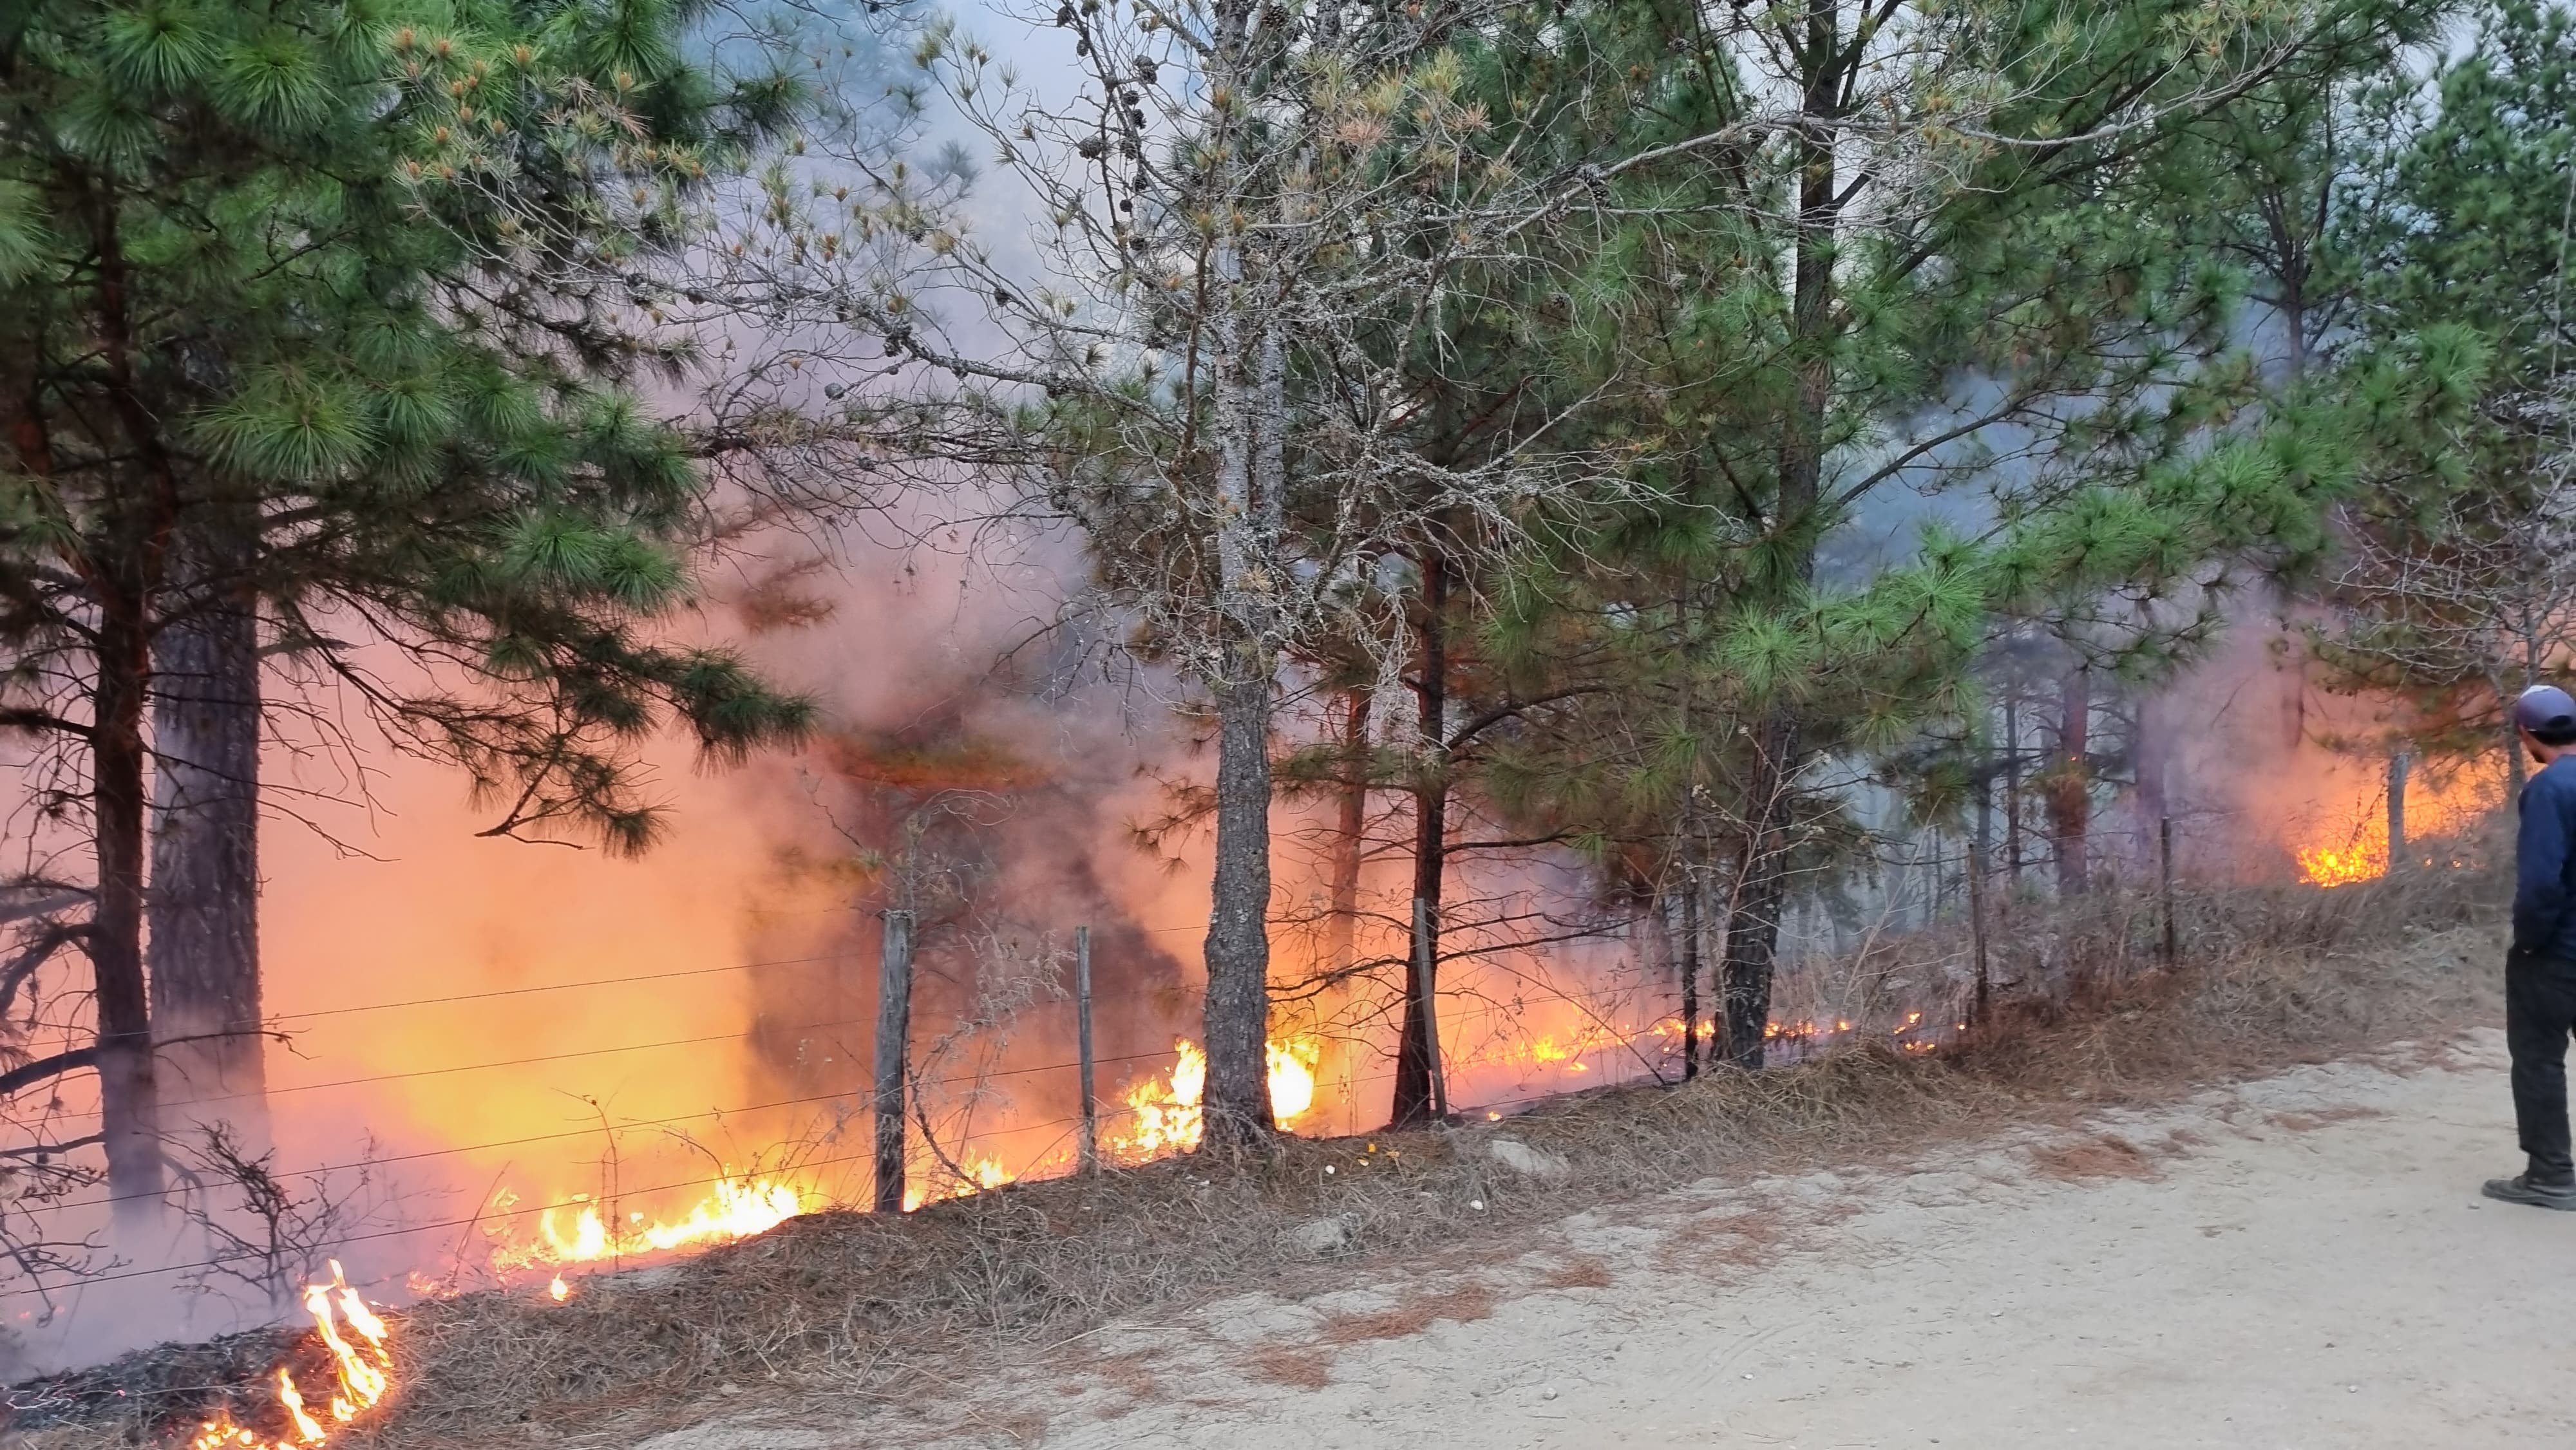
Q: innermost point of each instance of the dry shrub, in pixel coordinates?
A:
(856, 1303)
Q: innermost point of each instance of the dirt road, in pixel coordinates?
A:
(2301, 1262)
(2312, 1268)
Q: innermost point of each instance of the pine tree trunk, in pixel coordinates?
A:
(129, 1102)
(1761, 895)
(2154, 755)
(203, 957)
(1341, 946)
(2397, 770)
(1753, 929)
(1690, 980)
(2070, 793)
(2012, 782)
(1249, 374)
(1413, 1064)
(1236, 1106)
(1981, 860)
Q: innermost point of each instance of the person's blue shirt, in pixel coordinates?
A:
(2544, 892)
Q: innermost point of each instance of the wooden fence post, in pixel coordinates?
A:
(1088, 1154)
(894, 1036)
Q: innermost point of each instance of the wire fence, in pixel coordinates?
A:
(1343, 1100)
(1510, 1037)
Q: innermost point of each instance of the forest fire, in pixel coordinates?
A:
(362, 1373)
(2432, 809)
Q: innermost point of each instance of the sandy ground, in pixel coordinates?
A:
(2299, 1262)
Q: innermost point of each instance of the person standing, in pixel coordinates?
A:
(2540, 968)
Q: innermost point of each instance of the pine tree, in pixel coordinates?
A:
(1799, 311)
(1186, 376)
(2459, 373)
(308, 323)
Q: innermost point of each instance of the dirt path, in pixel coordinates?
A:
(2301, 1262)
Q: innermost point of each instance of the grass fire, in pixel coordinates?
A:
(361, 1367)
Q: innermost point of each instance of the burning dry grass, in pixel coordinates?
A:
(844, 1303)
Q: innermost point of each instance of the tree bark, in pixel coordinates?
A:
(203, 957)
(129, 1100)
(1341, 946)
(2397, 764)
(2012, 782)
(1981, 1003)
(1236, 1105)
(2070, 791)
(1762, 890)
(1690, 979)
(1413, 1055)
(2153, 748)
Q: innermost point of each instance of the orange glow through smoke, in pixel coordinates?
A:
(2360, 853)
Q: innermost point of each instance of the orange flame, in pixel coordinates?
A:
(734, 1208)
(980, 1174)
(362, 1371)
(2433, 809)
(1166, 1110)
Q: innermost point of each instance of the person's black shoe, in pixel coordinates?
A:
(2537, 1194)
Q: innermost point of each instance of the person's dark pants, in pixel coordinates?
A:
(2539, 1014)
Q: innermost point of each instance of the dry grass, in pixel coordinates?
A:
(1279, 1364)
(1459, 1304)
(1130, 1374)
(1731, 1241)
(2324, 1117)
(1583, 1272)
(850, 1303)
(2105, 1155)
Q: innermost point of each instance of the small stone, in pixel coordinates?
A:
(1318, 1237)
(1547, 1392)
(1527, 1161)
(728, 1388)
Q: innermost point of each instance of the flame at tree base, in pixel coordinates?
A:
(1167, 1111)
